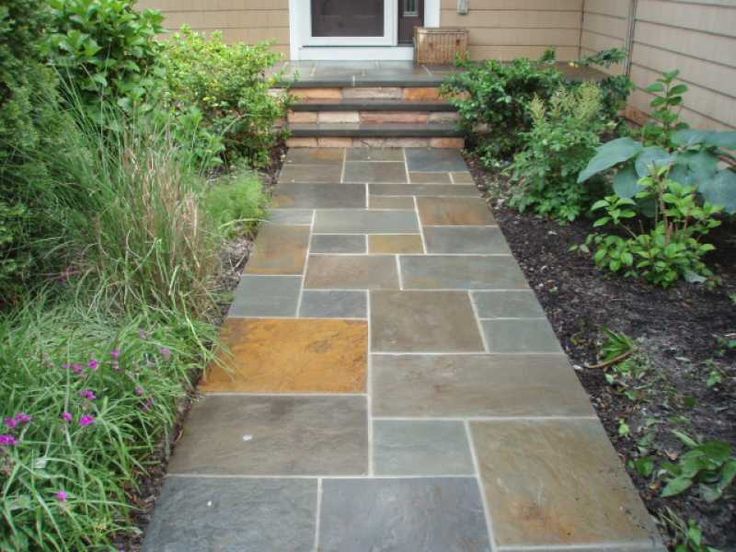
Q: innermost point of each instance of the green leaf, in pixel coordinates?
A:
(610, 154)
(676, 486)
(721, 190)
(690, 137)
(626, 182)
(685, 438)
(652, 156)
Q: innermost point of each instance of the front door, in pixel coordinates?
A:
(411, 14)
(348, 18)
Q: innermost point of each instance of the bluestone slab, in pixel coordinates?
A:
(266, 296)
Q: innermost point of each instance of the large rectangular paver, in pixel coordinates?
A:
(351, 272)
(324, 196)
(520, 336)
(465, 239)
(421, 447)
(434, 211)
(310, 173)
(338, 243)
(427, 515)
(266, 296)
(396, 243)
(421, 321)
(375, 154)
(290, 356)
(269, 515)
(434, 160)
(422, 190)
(333, 304)
(557, 482)
(280, 249)
(273, 436)
(461, 272)
(507, 304)
(387, 171)
(476, 385)
(315, 156)
(355, 221)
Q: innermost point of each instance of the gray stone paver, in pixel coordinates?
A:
(460, 424)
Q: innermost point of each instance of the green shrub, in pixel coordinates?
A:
(229, 85)
(615, 88)
(236, 203)
(493, 100)
(562, 140)
(107, 50)
(672, 249)
(102, 391)
(27, 123)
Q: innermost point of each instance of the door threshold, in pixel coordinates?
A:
(356, 53)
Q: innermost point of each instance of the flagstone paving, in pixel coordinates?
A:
(388, 381)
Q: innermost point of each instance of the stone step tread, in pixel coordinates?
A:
(404, 130)
(371, 105)
(365, 81)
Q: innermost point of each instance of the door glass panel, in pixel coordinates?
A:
(410, 8)
(347, 18)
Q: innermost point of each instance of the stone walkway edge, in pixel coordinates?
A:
(389, 381)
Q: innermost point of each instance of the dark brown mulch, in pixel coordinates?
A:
(234, 256)
(682, 332)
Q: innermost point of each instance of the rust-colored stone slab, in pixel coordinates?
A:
(397, 243)
(279, 249)
(352, 272)
(291, 356)
(454, 210)
(558, 482)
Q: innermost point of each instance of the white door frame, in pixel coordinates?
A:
(304, 46)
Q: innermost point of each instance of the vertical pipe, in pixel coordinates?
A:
(629, 41)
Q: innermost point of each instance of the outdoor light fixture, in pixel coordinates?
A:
(462, 7)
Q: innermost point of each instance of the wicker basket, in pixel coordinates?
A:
(439, 45)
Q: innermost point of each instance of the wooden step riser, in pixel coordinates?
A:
(378, 117)
(348, 142)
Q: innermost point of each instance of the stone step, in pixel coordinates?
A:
(429, 134)
(327, 115)
(364, 104)
(396, 92)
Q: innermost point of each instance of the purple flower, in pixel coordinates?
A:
(139, 391)
(77, 368)
(115, 354)
(8, 440)
(67, 416)
(87, 394)
(165, 352)
(86, 420)
(148, 405)
(93, 364)
(62, 496)
(18, 419)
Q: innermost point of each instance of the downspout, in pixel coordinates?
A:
(629, 41)
(580, 36)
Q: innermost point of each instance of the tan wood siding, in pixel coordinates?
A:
(239, 20)
(699, 39)
(505, 29)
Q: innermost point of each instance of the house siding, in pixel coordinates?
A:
(239, 20)
(505, 29)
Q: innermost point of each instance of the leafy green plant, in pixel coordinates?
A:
(688, 535)
(493, 100)
(107, 50)
(229, 85)
(625, 367)
(672, 249)
(615, 88)
(562, 139)
(692, 156)
(709, 464)
(236, 203)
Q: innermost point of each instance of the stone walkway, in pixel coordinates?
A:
(393, 385)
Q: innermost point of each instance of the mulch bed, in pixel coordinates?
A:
(682, 332)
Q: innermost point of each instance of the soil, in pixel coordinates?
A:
(234, 256)
(681, 337)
